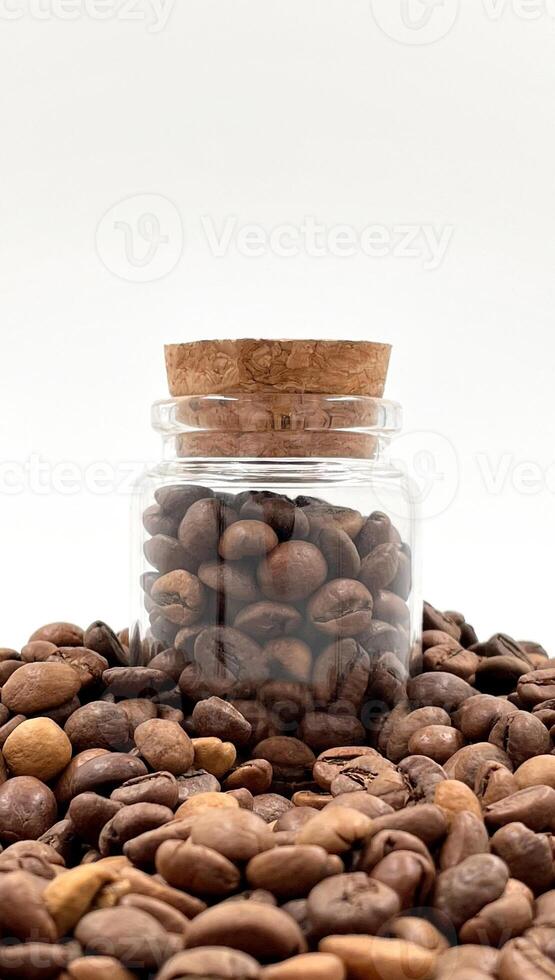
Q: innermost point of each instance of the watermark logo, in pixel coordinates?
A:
(415, 22)
(154, 14)
(432, 472)
(140, 239)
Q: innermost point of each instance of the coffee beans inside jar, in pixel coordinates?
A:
(288, 602)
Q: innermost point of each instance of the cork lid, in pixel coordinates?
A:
(338, 367)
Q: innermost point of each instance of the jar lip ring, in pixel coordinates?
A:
(271, 411)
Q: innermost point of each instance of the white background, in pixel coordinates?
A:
(266, 113)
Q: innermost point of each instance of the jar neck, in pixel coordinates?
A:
(276, 426)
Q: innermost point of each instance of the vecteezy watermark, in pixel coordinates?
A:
(155, 14)
(531, 10)
(43, 477)
(430, 465)
(140, 239)
(415, 22)
(524, 477)
(425, 242)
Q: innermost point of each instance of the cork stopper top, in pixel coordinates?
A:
(338, 367)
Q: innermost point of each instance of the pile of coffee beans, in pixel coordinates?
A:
(295, 610)
(146, 833)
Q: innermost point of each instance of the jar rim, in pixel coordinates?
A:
(270, 411)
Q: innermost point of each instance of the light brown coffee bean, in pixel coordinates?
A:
(60, 634)
(256, 775)
(37, 747)
(240, 837)
(130, 935)
(98, 725)
(381, 959)
(292, 571)
(37, 687)
(259, 930)
(165, 746)
(197, 869)
(341, 607)
(290, 872)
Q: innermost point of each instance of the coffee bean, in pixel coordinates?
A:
(467, 836)
(98, 725)
(532, 806)
(372, 956)
(341, 673)
(214, 756)
(528, 856)
(210, 962)
(229, 662)
(379, 568)
(338, 549)
(180, 596)
(195, 782)
(130, 822)
(326, 731)
(307, 966)
(271, 806)
(247, 538)
(521, 736)
(255, 775)
(463, 765)
(262, 931)
(463, 891)
(155, 787)
(350, 904)
(266, 620)
(130, 935)
(165, 746)
(103, 773)
(202, 526)
(233, 580)
(27, 809)
(40, 686)
(166, 554)
(290, 872)
(292, 571)
(60, 634)
(37, 747)
(342, 607)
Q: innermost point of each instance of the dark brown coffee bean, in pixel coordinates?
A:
(202, 527)
(493, 782)
(463, 663)
(435, 620)
(424, 820)
(291, 872)
(155, 787)
(166, 554)
(104, 773)
(292, 571)
(381, 638)
(521, 736)
(350, 904)
(398, 742)
(289, 757)
(341, 673)
(176, 499)
(217, 718)
(379, 568)
(27, 809)
(422, 777)
(341, 607)
(233, 580)
(138, 710)
(98, 725)
(136, 682)
(230, 661)
(535, 686)
(99, 637)
(130, 822)
(23, 914)
(438, 689)
(410, 875)
(478, 714)
(89, 813)
(267, 620)
(390, 608)
(246, 539)
(156, 522)
(338, 549)
(279, 513)
(173, 661)
(376, 530)
(323, 731)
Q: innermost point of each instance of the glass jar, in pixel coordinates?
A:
(276, 564)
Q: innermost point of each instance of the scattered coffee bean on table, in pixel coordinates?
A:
(170, 820)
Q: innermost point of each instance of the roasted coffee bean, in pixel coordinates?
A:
(99, 637)
(467, 836)
(341, 607)
(535, 686)
(463, 765)
(214, 756)
(37, 747)
(338, 549)
(136, 682)
(289, 757)
(176, 499)
(422, 776)
(166, 554)
(521, 736)
(410, 875)
(398, 743)
(479, 714)
(463, 891)
(165, 746)
(267, 620)
(533, 807)
(291, 872)
(103, 773)
(98, 725)
(341, 673)
(180, 596)
(89, 813)
(211, 964)
(350, 904)
(39, 687)
(290, 658)
(245, 834)
(493, 782)
(438, 689)
(60, 634)
(529, 856)
(536, 772)
(292, 571)
(130, 822)
(194, 782)
(337, 830)
(463, 663)
(438, 742)
(279, 513)
(214, 717)
(380, 567)
(376, 530)
(202, 527)
(329, 764)
(435, 620)
(271, 806)
(233, 580)
(245, 539)
(130, 935)
(262, 931)
(197, 869)
(155, 787)
(255, 775)
(27, 809)
(229, 661)
(322, 731)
